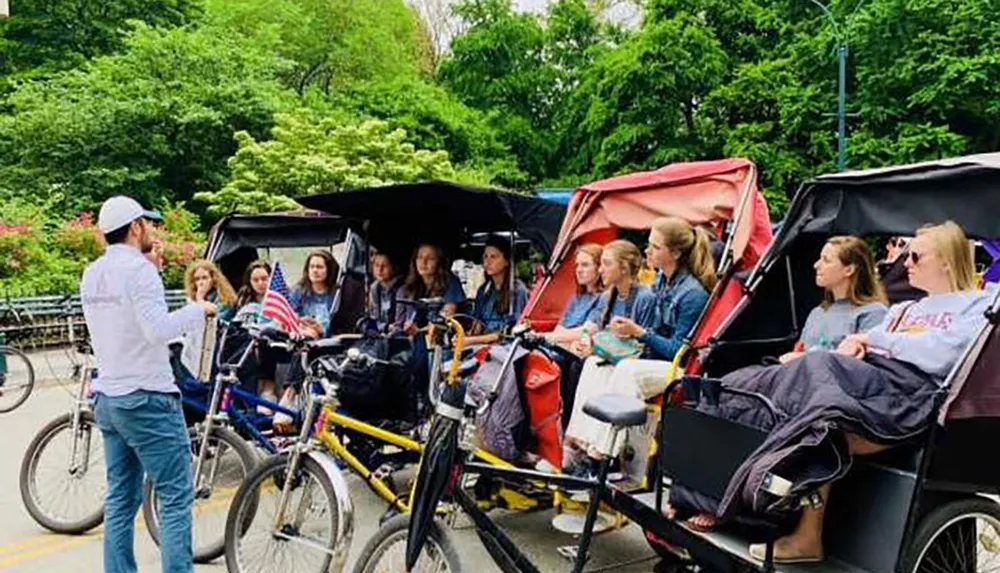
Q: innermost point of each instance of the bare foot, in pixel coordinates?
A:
(703, 522)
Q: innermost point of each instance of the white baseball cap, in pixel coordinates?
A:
(119, 211)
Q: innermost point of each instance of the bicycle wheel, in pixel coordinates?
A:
(961, 536)
(17, 378)
(228, 461)
(306, 541)
(386, 550)
(64, 492)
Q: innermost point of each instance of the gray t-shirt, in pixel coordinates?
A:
(826, 327)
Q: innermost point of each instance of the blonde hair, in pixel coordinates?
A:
(627, 255)
(865, 286)
(955, 251)
(220, 284)
(692, 245)
(592, 250)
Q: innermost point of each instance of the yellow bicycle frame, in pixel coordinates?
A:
(329, 419)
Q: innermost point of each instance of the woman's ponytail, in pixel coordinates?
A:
(693, 245)
(700, 261)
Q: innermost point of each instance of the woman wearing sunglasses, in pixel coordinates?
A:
(892, 271)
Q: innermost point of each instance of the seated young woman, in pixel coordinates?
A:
(313, 299)
(685, 275)
(853, 299)
(204, 282)
(588, 294)
(429, 277)
(314, 296)
(382, 293)
(249, 299)
(876, 390)
(497, 305)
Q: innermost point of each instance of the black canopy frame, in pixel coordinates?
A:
(876, 202)
(441, 211)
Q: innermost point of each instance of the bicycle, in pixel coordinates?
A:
(295, 509)
(221, 456)
(418, 543)
(79, 472)
(62, 476)
(17, 378)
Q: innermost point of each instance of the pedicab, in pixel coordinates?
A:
(721, 195)
(927, 505)
(295, 503)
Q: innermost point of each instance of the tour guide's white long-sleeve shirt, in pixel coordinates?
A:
(125, 307)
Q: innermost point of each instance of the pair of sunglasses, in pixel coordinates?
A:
(914, 257)
(897, 242)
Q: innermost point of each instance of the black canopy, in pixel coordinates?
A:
(233, 241)
(898, 200)
(273, 230)
(441, 211)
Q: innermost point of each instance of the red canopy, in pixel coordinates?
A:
(702, 192)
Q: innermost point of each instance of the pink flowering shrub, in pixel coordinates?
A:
(48, 257)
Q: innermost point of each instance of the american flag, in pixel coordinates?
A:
(276, 303)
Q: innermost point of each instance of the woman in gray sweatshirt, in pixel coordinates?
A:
(853, 297)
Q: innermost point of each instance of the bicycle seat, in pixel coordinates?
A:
(617, 410)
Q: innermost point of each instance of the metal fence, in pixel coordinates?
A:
(50, 320)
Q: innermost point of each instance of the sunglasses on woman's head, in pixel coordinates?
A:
(897, 242)
(915, 257)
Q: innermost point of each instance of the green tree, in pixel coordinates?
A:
(638, 106)
(520, 71)
(433, 118)
(155, 121)
(49, 35)
(331, 42)
(309, 154)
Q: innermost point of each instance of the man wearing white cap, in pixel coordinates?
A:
(138, 407)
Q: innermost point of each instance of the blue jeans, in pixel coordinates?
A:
(144, 432)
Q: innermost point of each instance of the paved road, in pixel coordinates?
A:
(26, 547)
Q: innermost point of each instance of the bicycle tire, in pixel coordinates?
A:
(246, 503)
(29, 468)
(395, 531)
(939, 525)
(10, 351)
(204, 552)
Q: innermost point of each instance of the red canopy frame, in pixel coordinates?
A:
(714, 193)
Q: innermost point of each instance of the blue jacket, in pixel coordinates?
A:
(679, 303)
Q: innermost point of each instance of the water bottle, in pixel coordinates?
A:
(585, 338)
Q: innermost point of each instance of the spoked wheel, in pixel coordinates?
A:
(307, 537)
(959, 537)
(63, 480)
(17, 378)
(385, 552)
(228, 461)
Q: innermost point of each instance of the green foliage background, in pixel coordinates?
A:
(222, 105)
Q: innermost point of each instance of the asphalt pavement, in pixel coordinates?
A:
(27, 547)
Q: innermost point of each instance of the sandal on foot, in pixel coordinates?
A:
(758, 551)
(692, 522)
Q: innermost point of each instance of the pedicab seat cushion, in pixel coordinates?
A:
(617, 410)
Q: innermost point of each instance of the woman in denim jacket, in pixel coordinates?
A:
(685, 277)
